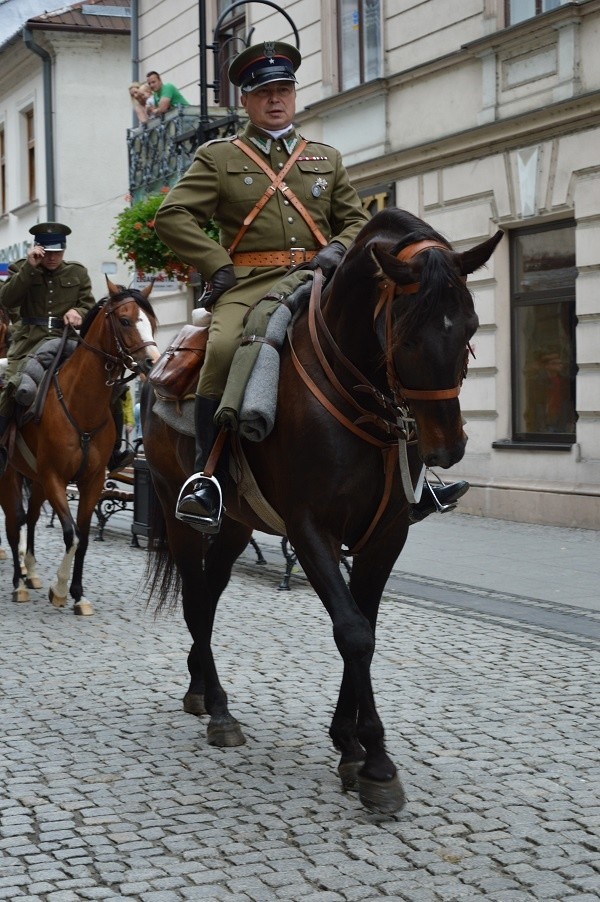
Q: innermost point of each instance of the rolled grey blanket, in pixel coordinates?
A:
(27, 390)
(259, 405)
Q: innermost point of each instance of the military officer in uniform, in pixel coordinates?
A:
(310, 217)
(42, 294)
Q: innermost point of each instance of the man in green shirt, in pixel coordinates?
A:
(164, 96)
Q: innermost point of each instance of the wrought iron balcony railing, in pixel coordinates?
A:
(162, 149)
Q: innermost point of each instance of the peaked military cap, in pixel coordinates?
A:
(51, 235)
(257, 66)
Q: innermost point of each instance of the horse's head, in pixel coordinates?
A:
(425, 320)
(133, 323)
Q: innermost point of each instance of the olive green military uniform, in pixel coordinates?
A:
(224, 184)
(34, 292)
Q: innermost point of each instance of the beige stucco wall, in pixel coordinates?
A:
(462, 106)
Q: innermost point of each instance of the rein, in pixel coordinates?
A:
(400, 428)
(123, 360)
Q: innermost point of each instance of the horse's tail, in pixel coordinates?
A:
(162, 580)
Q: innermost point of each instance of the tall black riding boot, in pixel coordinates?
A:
(200, 499)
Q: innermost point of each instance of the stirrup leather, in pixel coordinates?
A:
(202, 524)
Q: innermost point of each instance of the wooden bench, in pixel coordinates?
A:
(117, 495)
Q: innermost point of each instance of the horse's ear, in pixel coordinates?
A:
(469, 261)
(112, 288)
(389, 265)
(145, 292)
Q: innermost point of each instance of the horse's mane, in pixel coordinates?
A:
(137, 296)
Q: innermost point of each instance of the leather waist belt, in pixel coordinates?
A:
(293, 257)
(51, 322)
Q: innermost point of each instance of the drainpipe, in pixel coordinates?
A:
(135, 51)
(48, 129)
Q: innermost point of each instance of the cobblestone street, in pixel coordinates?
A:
(108, 790)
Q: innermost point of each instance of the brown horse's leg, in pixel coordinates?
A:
(354, 634)
(12, 504)
(34, 506)
(89, 492)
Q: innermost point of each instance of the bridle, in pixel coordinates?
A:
(388, 290)
(124, 358)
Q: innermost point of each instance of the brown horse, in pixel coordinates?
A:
(377, 362)
(75, 435)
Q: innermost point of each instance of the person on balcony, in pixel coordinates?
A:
(227, 181)
(165, 95)
(141, 100)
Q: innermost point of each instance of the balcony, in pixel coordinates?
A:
(161, 150)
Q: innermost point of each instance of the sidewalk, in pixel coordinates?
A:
(547, 563)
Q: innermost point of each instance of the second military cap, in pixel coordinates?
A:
(52, 236)
(257, 66)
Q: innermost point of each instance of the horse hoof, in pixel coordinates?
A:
(348, 772)
(33, 582)
(57, 600)
(225, 732)
(382, 796)
(2, 554)
(20, 595)
(83, 607)
(193, 703)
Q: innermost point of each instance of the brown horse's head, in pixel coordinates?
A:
(132, 324)
(430, 322)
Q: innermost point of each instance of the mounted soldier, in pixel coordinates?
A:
(279, 201)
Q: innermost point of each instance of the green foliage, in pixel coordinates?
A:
(137, 243)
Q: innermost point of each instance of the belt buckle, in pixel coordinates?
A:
(50, 326)
(293, 252)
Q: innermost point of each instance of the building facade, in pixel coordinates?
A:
(64, 111)
(474, 116)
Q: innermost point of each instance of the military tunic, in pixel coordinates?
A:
(36, 292)
(224, 184)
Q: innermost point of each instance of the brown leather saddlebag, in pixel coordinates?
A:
(175, 374)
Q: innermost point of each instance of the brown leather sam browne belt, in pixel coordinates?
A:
(293, 257)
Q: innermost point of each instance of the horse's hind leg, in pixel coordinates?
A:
(34, 506)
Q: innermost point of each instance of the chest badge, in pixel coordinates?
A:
(248, 180)
(319, 186)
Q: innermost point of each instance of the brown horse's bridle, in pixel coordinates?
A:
(124, 358)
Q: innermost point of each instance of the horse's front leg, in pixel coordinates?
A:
(370, 572)
(204, 576)
(57, 593)
(379, 787)
(89, 492)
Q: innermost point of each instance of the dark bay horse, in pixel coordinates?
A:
(378, 360)
(75, 435)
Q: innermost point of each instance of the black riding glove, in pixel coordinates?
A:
(328, 259)
(222, 281)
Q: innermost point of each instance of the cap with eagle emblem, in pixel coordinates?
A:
(263, 63)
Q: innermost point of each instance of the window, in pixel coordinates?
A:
(359, 42)
(29, 172)
(2, 173)
(543, 334)
(519, 10)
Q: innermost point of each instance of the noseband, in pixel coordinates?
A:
(124, 358)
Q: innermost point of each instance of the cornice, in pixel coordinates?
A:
(552, 121)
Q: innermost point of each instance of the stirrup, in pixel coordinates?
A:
(210, 525)
(440, 508)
